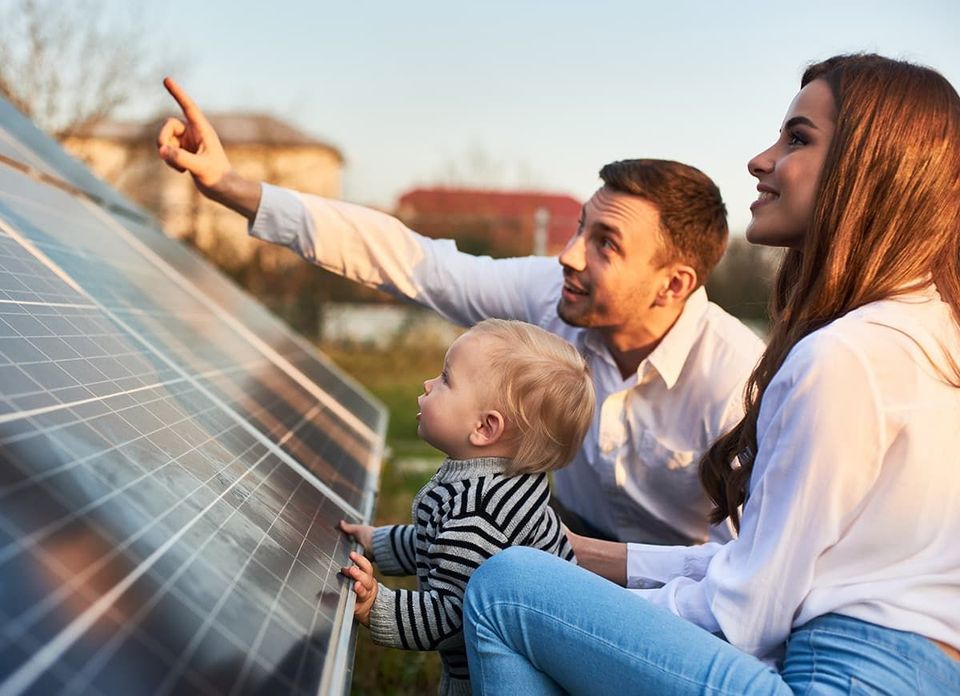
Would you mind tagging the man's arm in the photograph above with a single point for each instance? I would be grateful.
(377, 250)
(194, 146)
(361, 244)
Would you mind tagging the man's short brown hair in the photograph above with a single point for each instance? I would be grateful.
(693, 218)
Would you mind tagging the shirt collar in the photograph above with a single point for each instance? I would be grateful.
(594, 343)
(670, 355)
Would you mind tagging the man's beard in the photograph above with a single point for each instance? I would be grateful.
(580, 317)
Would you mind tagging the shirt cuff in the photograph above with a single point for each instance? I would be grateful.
(280, 216)
(645, 567)
(650, 566)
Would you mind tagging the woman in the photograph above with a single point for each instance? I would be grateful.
(845, 577)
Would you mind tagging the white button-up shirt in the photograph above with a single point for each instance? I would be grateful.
(854, 504)
(636, 474)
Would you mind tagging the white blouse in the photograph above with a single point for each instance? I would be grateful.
(854, 503)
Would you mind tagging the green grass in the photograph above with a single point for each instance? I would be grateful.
(396, 377)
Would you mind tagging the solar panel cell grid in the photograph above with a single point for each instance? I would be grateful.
(220, 291)
(241, 543)
(170, 477)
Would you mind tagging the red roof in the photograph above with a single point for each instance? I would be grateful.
(516, 207)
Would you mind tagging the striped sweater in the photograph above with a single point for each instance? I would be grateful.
(465, 514)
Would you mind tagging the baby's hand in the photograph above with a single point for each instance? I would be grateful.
(361, 533)
(365, 586)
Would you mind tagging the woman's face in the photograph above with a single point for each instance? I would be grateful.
(788, 171)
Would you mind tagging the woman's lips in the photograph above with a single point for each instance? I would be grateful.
(766, 196)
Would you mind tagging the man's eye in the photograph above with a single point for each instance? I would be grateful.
(607, 243)
(443, 376)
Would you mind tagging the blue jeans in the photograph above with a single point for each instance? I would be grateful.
(535, 624)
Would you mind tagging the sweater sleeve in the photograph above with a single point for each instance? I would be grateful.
(394, 549)
(425, 619)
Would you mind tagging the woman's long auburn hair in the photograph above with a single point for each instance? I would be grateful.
(886, 221)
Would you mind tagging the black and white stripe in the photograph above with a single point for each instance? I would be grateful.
(465, 514)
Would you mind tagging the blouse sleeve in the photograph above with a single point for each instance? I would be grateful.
(649, 565)
(820, 444)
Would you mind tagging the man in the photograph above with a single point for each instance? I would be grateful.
(668, 366)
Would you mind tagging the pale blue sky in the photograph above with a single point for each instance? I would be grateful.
(533, 94)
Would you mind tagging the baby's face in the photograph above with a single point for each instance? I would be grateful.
(453, 401)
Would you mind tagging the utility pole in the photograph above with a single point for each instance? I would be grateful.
(541, 222)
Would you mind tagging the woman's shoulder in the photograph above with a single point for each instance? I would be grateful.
(909, 327)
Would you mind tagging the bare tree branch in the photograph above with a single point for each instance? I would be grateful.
(68, 65)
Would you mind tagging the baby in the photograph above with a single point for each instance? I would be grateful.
(512, 403)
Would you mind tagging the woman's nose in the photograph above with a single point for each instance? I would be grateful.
(761, 163)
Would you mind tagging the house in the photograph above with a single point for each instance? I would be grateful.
(497, 223)
(260, 147)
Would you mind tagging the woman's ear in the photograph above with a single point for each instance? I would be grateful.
(489, 429)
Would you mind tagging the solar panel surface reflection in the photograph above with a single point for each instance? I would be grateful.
(170, 473)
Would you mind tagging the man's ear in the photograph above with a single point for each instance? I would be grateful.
(677, 286)
(489, 430)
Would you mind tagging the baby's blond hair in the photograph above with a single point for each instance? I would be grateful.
(543, 387)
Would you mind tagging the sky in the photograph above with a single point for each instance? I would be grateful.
(531, 94)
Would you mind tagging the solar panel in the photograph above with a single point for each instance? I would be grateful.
(25, 146)
(173, 461)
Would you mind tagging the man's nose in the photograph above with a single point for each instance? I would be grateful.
(574, 254)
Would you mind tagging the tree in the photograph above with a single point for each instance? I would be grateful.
(742, 281)
(67, 65)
